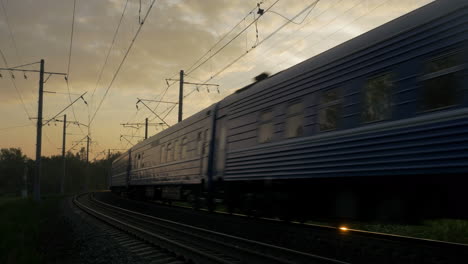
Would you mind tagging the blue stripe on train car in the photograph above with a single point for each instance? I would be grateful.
(429, 148)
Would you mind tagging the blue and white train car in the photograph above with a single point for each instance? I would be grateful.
(376, 125)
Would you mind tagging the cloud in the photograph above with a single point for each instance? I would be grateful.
(175, 35)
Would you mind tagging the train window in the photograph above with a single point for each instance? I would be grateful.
(176, 150)
(295, 120)
(183, 151)
(169, 152)
(440, 82)
(329, 111)
(205, 140)
(163, 154)
(265, 130)
(199, 143)
(377, 102)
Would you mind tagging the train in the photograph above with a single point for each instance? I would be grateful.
(374, 128)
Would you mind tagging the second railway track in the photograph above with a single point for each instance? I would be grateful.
(191, 243)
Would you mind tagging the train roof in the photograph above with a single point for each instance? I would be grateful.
(382, 33)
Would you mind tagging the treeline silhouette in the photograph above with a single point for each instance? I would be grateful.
(80, 176)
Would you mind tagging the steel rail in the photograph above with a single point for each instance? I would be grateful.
(155, 239)
(249, 249)
(348, 231)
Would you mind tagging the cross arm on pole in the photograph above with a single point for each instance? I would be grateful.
(140, 101)
(81, 97)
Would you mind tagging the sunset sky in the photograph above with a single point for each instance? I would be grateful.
(174, 36)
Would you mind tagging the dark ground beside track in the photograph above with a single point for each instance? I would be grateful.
(54, 231)
(35, 233)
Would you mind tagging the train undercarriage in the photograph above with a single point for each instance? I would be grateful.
(363, 198)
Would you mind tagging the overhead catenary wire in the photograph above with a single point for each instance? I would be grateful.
(221, 39)
(16, 88)
(24, 65)
(107, 56)
(68, 80)
(338, 30)
(9, 29)
(49, 140)
(192, 68)
(122, 62)
(302, 26)
(310, 6)
(17, 56)
(330, 7)
(231, 40)
(291, 20)
(141, 23)
(79, 142)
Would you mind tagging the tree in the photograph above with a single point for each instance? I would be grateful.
(12, 167)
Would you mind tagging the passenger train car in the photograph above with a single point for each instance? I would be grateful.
(375, 127)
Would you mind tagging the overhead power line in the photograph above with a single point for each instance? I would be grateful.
(221, 39)
(310, 6)
(235, 37)
(9, 29)
(107, 56)
(71, 38)
(122, 62)
(67, 79)
(336, 31)
(17, 56)
(288, 36)
(14, 85)
(194, 66)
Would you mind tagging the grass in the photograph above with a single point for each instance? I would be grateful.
(452, 230)
(22, 222)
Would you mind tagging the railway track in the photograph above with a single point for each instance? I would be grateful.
(192, 244)
(354, 246)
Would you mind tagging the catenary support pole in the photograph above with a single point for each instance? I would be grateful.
(88, 180)
(37, 174)
(109, 175)
(146, 128)
(62, 181)
(87, 149)
(181, 94)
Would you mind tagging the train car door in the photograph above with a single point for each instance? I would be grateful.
(205, 148)
(220, 148)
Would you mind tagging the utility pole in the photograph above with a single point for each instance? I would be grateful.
(87, 163)
(181, 94)
(109, 175)
(62, 182)
(87, 149)
(37, 175)
(181, 90)
(38, 165)
(146, 128)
